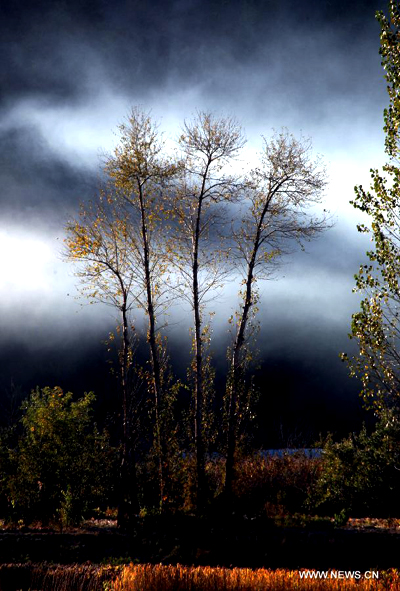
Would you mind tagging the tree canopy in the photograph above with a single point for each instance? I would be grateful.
(376, 326)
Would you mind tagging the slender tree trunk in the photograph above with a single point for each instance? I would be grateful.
(198, 394)
(154, 357)
(198, 421)
(235, 370)
(234, 379)
(128, 502)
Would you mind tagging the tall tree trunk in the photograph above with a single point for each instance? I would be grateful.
(234, 380)
(154, 357)
(198, 393)
(198, 397)
(235, 369)
(128, 501)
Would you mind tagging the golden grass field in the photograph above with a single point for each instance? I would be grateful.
(182, 578)
(177, 578)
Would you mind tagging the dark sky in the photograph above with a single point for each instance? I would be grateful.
(70, 71)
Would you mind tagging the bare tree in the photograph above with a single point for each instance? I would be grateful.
(128, 248)
(101, 243)
(208, 144)
(277, 202)
(140, 173)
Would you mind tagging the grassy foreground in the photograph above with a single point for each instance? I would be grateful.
(179, 578)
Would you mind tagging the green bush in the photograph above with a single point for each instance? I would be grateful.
(61, 467)
(361, 474)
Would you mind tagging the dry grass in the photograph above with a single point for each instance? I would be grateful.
(57, 577)
(373, 523)
(274, 485)
(181, 578)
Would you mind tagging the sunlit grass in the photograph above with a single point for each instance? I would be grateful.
(180, 578)
(148, 577)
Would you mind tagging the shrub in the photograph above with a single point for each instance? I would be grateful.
(361, 474)
(61, 467)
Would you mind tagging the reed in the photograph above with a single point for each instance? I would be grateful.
(182, 578)
(88, 577)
